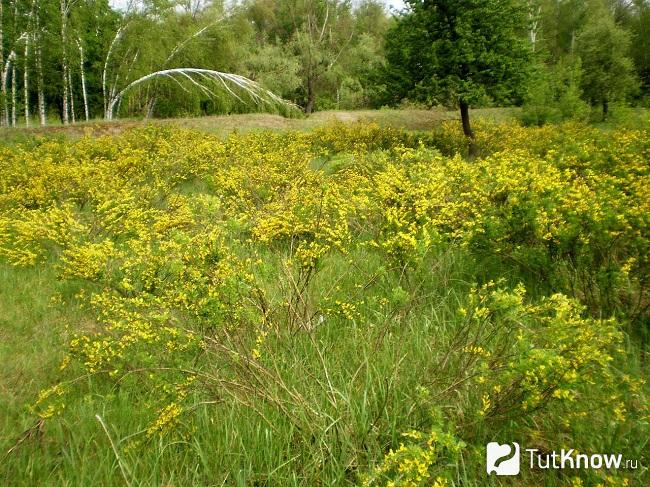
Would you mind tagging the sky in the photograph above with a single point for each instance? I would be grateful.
(396, 4)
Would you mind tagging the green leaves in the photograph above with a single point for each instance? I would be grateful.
(450, 51)
(608, 72)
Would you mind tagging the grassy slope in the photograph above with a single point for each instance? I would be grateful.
(223, 125)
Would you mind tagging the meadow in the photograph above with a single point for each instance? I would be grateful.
(352, 304)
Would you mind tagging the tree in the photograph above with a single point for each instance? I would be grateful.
(359, 64)
(608, 72)
(273, 68)
(78, 57)
(324, 32)
(460, 52)
(335, 44)
(559, 23)
(65, 8)
(640, 50)
(554, 93)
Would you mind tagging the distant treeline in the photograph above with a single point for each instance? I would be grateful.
(71, 60)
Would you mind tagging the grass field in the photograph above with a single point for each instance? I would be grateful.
(315, 302)
(224, 125)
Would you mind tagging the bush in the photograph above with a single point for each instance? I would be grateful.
(342, 306)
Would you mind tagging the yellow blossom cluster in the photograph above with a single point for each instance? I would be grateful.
(423, 461)
(173, 236)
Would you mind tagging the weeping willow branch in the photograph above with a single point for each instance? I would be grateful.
(206, 81)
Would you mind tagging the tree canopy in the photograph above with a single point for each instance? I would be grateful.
(608, 71)
(69, 59)
(444, 51)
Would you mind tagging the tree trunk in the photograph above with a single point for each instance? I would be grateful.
(311, 96)
(41, 85)
(3, 95)
(14, 6)
(467, 128)
(64, 60)
(151, 105)
(533, 21)
(605, 108)
(108, 112)
(13, 94)
(71, 96)
(4, 74)
(83, 79)
(26, 81)
(3, 108)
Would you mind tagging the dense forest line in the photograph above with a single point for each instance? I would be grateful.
(72, 60)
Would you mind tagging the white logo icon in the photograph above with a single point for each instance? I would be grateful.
(502, 459)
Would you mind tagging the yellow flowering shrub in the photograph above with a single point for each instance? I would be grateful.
(522, 356)
(358, 138)
(422, 459)
(173, 243)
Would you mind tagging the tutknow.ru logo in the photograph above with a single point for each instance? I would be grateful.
(502, 459)
(505, 459)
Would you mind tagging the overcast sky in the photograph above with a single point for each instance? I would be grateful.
(397, 4)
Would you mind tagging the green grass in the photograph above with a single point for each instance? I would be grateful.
(360, 380)
(332, 399)
(371, 391)
(30, 341)
(223, 125)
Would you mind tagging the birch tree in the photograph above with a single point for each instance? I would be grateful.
(14, 93)
(4, 75)
(82, 71)
(116, 38)
(65, 8)
(3, 94)
(319, 40)
(27, 39)
(38, 45)
(26, 79)
(534, 17)
(207, 81)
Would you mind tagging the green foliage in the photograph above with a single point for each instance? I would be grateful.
(332, 45)
(342, 306)
(554, 95)
(320, 54)
(640, 47)
(300, 49)
(270, 65)
(452, 51)
(608, 72)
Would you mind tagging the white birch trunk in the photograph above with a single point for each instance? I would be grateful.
(13, 94)
(39, 75)
(3, 81)
(105, 93)
(534, 13)
(72, 115)
(83, 79)
(204, 77)
(64, 58)
(3, 94)
(26, 81)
